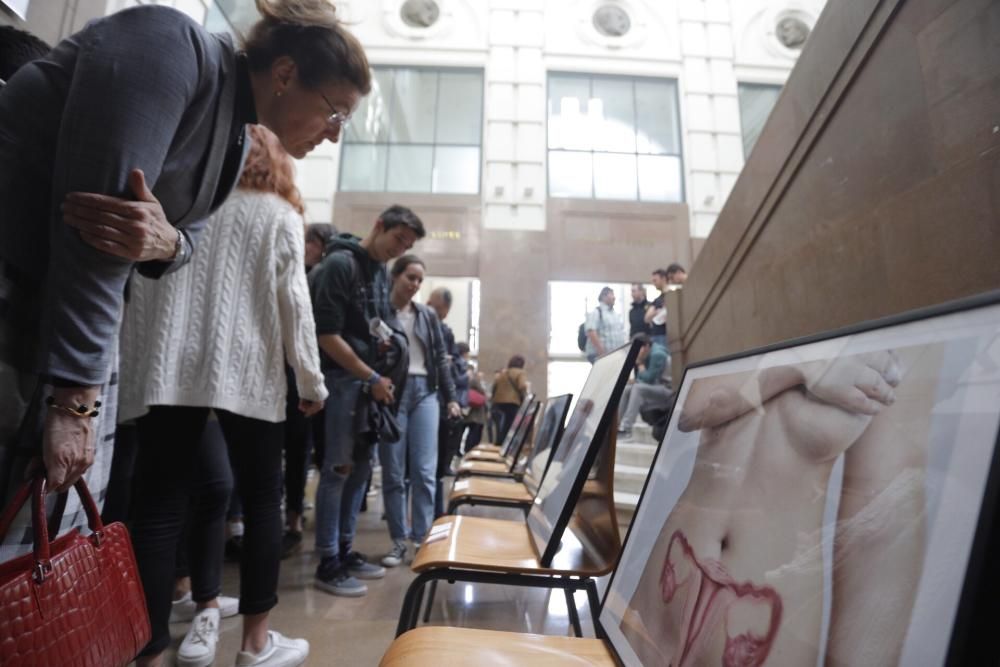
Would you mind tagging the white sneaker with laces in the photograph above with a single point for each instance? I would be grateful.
(280, 651)
(198, 647)
(183, 610)
(396, 555)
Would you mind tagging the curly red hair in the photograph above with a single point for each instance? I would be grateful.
(269, 168)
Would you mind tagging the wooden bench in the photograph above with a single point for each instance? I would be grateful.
(571, 532)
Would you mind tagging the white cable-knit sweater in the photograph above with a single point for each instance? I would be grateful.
(216, 333)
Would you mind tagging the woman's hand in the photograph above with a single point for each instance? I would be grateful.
(135, 230)
(67, 441)
(309, 408)
(454, 410)
(862, 383)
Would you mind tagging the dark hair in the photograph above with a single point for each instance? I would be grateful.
(18, 48)
(674, 268)
(517, 361)
(462, 347)
(320, 232)
(403, 263)
(641, 286)
(605, 291)
(660, 272)
(397, 215)
(309, 32)
(445, 295)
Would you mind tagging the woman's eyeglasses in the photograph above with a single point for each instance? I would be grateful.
(336, 118)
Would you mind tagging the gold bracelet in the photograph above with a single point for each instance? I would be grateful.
(82, 411)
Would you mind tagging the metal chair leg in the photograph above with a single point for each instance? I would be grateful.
(595, 608)
(574, 617)
(430, 600)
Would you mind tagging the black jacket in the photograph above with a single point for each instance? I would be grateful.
(636, 318)
(348, 289)
(427, 329)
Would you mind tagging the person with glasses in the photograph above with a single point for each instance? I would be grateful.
(136, 134)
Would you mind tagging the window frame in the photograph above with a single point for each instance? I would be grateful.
(434, 144)
(590, 77)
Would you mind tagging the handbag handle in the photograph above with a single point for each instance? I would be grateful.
(35, 489)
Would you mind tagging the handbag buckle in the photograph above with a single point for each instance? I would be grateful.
(97, 537)
(42, 569)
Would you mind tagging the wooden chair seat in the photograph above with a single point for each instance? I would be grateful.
(489, 489)
(435, 646)
(485, 456)
(495, 468)
(497, 545)
(493, 449)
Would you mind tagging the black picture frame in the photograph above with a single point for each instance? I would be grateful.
(973, 626)
(615, 366)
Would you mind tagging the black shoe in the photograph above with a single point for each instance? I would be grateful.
(291, 543)
(234, 548)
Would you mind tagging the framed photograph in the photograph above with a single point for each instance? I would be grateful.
(577, 449)
(17, 7)
(822, 502)
(534, 464)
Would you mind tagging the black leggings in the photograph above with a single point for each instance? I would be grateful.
(301, 434)
(174, 467)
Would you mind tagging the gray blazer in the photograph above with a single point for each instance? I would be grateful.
(143, 88)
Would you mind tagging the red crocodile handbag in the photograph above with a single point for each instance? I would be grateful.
(75, 601)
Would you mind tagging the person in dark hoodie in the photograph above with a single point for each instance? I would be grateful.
(350, 295)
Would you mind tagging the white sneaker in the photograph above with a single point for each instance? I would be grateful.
(198, 647)
(183, 610)
(280, 651)
(396, 555)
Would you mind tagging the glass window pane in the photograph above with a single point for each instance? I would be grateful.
(409, 168)
(456, 170)
(460, 108)
(658, 130)
(370, 122)
(411, 116)
(570, 174)
(363, 168)
(568, 97)
(756, 103)
(614, 176)
(612, 115)
(660, 178)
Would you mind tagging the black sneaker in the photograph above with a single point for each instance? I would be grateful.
(358, 565)
(291, 543)
(333, 578)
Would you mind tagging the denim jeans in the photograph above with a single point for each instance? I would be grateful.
(419, 414)
(341, 480)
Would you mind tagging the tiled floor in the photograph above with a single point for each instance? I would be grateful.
(356, 632)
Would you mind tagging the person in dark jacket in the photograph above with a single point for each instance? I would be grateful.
(350, 294)
(419, 414)
(450, 431)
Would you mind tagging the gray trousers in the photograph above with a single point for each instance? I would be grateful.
(637, 396)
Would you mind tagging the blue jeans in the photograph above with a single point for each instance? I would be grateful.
(342, 480)
(419, 413)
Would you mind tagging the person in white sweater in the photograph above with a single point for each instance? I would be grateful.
(216, 336)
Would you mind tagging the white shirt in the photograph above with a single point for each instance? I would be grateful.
(418, 359)
(217, 332)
